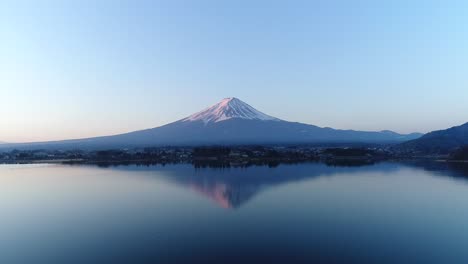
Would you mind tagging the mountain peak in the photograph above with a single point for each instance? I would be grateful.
(229, 108)
(230, 99)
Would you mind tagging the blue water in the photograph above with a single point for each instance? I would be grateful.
(306, 213)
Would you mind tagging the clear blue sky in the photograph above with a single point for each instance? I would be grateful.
(71, 69)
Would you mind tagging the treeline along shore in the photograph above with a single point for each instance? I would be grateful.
(223, 155)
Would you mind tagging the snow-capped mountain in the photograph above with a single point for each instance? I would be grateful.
(229, 108)
(230, 121)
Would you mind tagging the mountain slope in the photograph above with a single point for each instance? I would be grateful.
(230, 121)
(439, 142)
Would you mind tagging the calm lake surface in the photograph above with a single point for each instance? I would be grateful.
(383, 213)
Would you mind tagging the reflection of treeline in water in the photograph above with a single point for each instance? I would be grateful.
(460, 154)
(452, 169)
(350, 162)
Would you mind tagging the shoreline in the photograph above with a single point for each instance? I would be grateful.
(333, 161)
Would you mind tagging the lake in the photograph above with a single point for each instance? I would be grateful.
(384, 213)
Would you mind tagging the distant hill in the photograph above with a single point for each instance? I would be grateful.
(439, 142)
(230, 121)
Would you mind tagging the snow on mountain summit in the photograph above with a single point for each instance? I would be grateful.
(229, 108)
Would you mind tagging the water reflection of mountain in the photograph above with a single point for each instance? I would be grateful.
(227, 196)
(233, 187)
(452, 169)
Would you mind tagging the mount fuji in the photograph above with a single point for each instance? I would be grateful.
(231, 121)
(229, 108)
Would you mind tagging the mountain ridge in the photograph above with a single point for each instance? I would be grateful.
(439, 141)
(230, 121)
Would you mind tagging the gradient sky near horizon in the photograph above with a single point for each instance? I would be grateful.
(73, 69)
